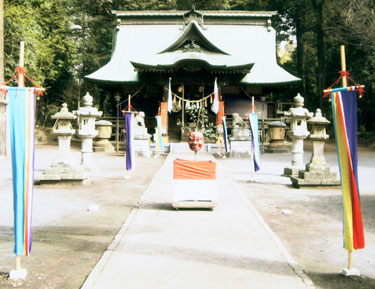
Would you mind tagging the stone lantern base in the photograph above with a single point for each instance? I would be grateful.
(61, 171)
(315, 176)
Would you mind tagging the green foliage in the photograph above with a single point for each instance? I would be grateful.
(68, 39)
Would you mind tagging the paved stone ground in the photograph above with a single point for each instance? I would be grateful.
(69, 240)
(312, 232)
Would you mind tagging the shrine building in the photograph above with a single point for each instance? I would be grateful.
(189, 50)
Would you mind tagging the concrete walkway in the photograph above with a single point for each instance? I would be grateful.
(228, 247)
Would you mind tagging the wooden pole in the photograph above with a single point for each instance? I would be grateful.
(343, 66)
(129, 103)
(18, 263)
(21, 77)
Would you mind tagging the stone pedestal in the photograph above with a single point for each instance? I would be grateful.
(141, 142)
(240, 140)
(102, 142)
(240, 148)
(315, 176)
(317, 172)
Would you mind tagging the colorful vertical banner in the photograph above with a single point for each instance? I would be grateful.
(225, 131)
(253, 121)
(169, 97)
(215, 105)
(22, 131)
(159, 142)
(129, 139)
(344, 109)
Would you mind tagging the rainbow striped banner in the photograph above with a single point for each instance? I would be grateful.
(159, 135)
(225, 131)
(344, 108)
(253, 122)
(22, 131)
(129, 118)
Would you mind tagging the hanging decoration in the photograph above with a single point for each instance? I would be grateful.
(344, 111)
(169, 96)
(159, 135)
(253, 122)
(215, 105)
(22, 107)
(225, 132)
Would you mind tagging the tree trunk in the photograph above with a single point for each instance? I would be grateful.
(318, 9)
(1, 41)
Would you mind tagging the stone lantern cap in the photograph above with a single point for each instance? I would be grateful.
(87, 110)
(103, 123)
(298, 111)
(277, 124)
(318, 119)
(64, 113)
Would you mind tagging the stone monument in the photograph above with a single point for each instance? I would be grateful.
(63, 168)
(240, 141)
(86, 117)
(141, 137)
(298, 132)
(317, 172)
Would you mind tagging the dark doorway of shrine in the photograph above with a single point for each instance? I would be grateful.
(186, 96)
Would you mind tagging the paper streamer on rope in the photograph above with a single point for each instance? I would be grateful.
(215, 105)
(169, 97)
(225, 131)
(22, 131)
(159, 134)
(344, 109)
(253, 121)
(129, 139)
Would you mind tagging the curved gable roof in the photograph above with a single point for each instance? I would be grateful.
(229, 40)
(193, 32)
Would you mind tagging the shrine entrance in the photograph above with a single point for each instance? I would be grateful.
(188, 102)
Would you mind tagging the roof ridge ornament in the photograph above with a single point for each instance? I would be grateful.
(191, 47)
(193, 16)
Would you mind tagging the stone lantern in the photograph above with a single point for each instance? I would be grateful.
(63, 168)
(318, 136)
(317, 171)
(63, 128)
(86, 118)
(298, 132)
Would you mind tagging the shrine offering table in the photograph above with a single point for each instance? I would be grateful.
(194, 184)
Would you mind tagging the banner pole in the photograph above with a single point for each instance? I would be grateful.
(21, 77)
(343, 66)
